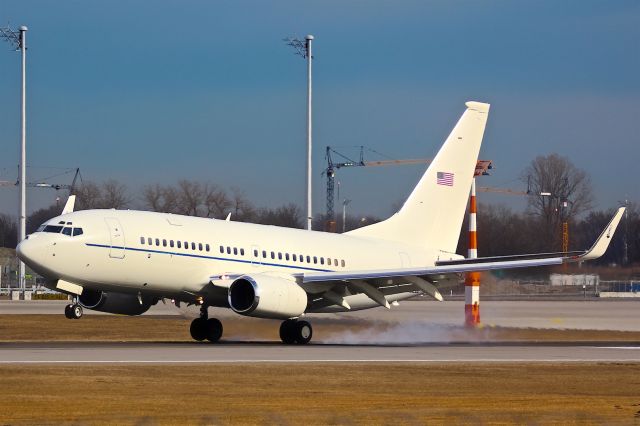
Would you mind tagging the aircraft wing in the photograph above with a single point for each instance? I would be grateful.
(378, 283)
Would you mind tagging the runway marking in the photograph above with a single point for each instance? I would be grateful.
(618, 347)
(307, 361)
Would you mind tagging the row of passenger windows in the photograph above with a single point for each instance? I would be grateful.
(300, 258)
(170, 243)
(234, 250)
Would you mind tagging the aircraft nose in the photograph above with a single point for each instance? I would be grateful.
(24, 250)
(32, 251)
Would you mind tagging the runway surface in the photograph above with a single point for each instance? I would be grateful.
(421, 323)
(182, 353)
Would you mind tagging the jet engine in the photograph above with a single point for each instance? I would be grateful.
(267, 296)
(115, 303)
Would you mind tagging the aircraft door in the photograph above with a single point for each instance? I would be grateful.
(116, 234)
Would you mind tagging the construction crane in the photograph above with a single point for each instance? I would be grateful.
(332, 167)
(56, 186)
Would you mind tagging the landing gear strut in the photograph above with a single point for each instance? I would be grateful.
(206, 328)
(73, 310)
(294, 331)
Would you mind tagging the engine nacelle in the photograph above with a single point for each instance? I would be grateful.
(114, 303)
(266, 296)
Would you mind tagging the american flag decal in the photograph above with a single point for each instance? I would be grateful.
(444, 178)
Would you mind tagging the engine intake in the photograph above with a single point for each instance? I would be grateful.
(114, 303)
(266, 296)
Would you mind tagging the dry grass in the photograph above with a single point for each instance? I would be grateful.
(323, 394)
(108, 328)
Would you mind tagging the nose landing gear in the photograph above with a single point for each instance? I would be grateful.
(294, 331)
(206, 328)
(73, 310)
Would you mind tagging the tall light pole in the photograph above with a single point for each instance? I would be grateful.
(19, 40)
(303, 48)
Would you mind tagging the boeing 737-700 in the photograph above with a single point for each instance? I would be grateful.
(123, 262)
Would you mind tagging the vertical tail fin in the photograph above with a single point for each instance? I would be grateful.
(432, 215)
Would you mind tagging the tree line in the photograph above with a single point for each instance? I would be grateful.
(558, 192)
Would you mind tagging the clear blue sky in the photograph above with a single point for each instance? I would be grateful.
(149, 92)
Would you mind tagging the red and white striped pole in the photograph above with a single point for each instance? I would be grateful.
(472, 279)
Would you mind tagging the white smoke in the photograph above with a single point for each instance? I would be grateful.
(405, 333)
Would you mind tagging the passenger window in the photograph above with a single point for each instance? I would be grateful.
(221, 249)
(67, 231)
(255, 253)
(164, 243)
(193, 246)
(335, 262)
(157, 241)
(264, 253)
(308, 259)
(228, 250)
(186, 245)
(179, 243)
(235, 251)
(280, 256)
(273, 255)
(294, 257)
(141, 240)
(207, 247)
(301, 258)
(315, 259)
(241, 252)
(170, 243)
(342, 263)
(150, 241)
(77, 231)
(286, 256)
(200, 246)
(322, 260)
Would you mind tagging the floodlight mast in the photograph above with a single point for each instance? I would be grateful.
(19, 40)
(303, 48)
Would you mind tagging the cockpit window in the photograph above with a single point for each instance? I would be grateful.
(55, 229)
(52, 228)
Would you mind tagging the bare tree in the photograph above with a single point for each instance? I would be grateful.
(216, 203)
(289, 215)
(569, 189)
(8, 231)
(114, 195)
(190, 197)
(159, 198)
(88, 196)
(242, 209)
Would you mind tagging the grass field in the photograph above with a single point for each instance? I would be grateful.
(323, 394)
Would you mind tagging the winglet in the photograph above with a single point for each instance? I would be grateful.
(602, 243)
(68, 207)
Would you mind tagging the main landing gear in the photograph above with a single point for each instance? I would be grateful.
(206, 328)
(294, 331)
(73, 310)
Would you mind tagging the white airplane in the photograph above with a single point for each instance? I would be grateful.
(123, 262)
